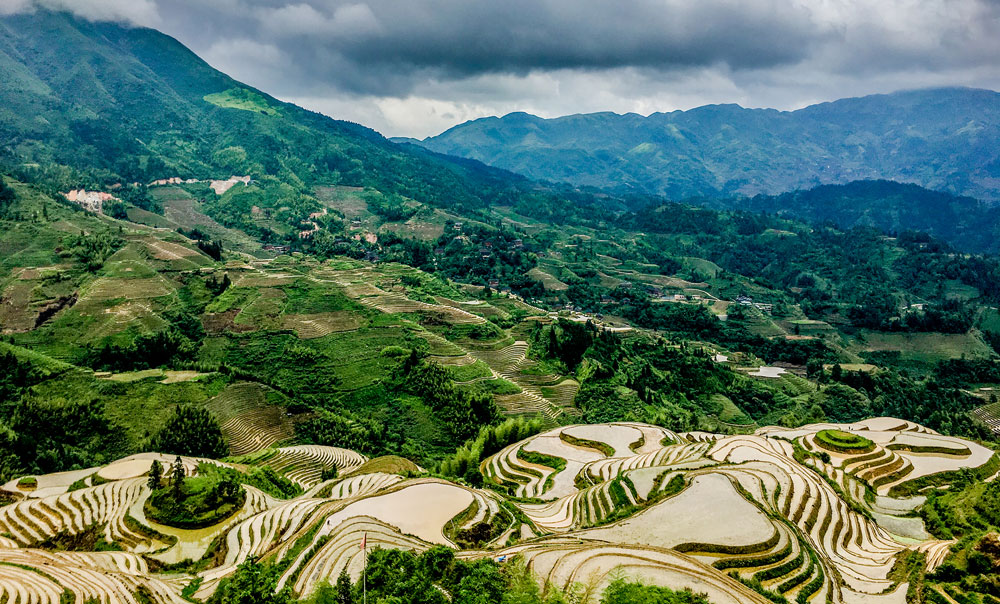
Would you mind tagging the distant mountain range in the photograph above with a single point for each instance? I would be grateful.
(944, 139)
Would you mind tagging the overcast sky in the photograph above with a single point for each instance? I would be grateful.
(417, 67)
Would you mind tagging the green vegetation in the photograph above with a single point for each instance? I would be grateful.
(969, 511)
(491, 439)
(194, 502)
(621, 591)
(240, 98)
(843, 442)
(253, 582)
(190, 431)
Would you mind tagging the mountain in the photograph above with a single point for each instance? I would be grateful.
(968, 224)
(943, 139)
(100, 103)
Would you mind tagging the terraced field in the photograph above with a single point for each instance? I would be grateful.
(249, 423)
(593, 502)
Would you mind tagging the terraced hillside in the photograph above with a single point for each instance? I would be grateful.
(142, 316)
(774, 509)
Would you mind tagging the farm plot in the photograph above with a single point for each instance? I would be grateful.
(412, 517)
(698, 515)
(37, 576)
(109, 288)
(249, 422)
(594, 564)
(317, 325)
(181, 257)
(49, 484)
(36, 520)
(16, 313)
(304, 464)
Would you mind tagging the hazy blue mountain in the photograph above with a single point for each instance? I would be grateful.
(944, 139)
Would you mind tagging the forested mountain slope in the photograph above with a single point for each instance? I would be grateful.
(943, 139)
(891, 207)
(99, 103)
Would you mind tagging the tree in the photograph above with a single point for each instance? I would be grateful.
(191, 431)
(344, 595)
(155, 474)
(253, 583)
(482, 584)
(624, 592)
(115, 209)
(7, 197)
(178, 476)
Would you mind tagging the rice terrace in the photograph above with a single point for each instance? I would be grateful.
(579, 504)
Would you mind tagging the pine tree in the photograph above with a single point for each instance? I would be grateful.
(155, 474)
(344, 595)
(178, 476)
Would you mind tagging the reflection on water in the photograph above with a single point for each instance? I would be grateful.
(191, 543)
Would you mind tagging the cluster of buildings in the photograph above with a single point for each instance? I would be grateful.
(176, 180)
(745, 300)
(92, 201)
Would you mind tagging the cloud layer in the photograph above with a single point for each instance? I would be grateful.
(415, 67)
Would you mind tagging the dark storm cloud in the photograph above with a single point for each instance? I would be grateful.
(385, 46)
(458, 38)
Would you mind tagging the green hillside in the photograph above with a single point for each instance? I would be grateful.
(92, 104)
(891, 207)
